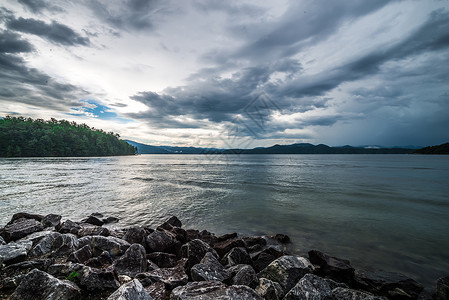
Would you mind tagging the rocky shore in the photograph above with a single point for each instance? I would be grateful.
(42, 257)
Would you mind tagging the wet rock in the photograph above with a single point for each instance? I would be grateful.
(51, 220)
(227, 236)
(81, 255)
(236, 256)
(269, 290)
(340, 293)
(14, 252)
(132, 290)
(158, 291)
(40, 285)
(114, 246)
(265, 257)
(207, 237)
(55, 244)
(135, 235)
(192, 234)
(194, 251)
(243, 275)
(211, 290)
(98, 279)
(254, 242)
(171, 277)
(102, 261)
(310, 287)
(388, 284)
(21, 228)
(286, 270)
(225, 246)
(174, 221)
(109, 220)
(68, 227)
(133, 262)
(160, 241)
(94, 220)
(209, 269)
(442, 291)
(89, 229)
(333, 267)
(163, 260)
(282, 238)
(23, 215)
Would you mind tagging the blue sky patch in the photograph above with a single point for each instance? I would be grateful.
(93, 109)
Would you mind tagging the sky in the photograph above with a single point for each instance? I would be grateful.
(232, 73)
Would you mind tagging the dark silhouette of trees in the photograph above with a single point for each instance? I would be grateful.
(25, 137)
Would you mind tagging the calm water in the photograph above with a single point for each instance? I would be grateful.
(389, 212)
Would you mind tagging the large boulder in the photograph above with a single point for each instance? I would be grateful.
(194, 251)
(243, 275)
(94, 220)
(287, 270)
(114, 246)
(158, 291)
(332, 267)
(310, 287)
(93, 279)
(261, 259)
(40, 285)
(23, 215)
(14, 252)
(2, 241)
(55, 244)
(89, 229)
(269, 290)
(135, 235)
(171, 277)
(174, 221)
(236, 256)
(132, 290)
(442, 291)
(388, 284)
(160, 241)
(212, 290)
(340, 293)
(68, 227)
(81, 255)
(21, 228)
(209, 269)
(133, 262)
(224, 246)
(51, 220)
(162, 259)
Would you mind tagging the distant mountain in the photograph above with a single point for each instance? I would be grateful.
(299, 148)
(439, 149)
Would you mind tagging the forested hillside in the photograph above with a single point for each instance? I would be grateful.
(25, 137)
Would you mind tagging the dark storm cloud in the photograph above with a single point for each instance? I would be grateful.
(38, 6)
(54, 32)
(11, 42)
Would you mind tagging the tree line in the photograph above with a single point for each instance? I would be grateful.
(25, 137)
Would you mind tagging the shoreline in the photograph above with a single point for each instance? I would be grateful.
(86, 260)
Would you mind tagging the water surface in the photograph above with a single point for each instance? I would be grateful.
(388, 212)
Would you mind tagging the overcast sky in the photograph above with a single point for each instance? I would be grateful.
(232, 73)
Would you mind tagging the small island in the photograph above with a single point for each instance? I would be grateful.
(439, 149)
(25, 137)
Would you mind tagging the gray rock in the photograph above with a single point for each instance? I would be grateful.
(81, 255)
(237, 256)
(65, 269)
(334, 284)
(269, 290)
(101, 261)
(225, 246)
(209, 269)
(332, 267)
(14, 252)
(2, 241)
(55, 244)
(21, 228)
(442, 291)
(171, 277)
(69, 227)
(26, 266)
(23, 215)
(132, 290)
(12, 282)
(340, 293)
(194, 251)
(40, 285)
(310, 287)
(160, 241)
(98, 279)
(212, 290)
(114, 246)
(174, 221)
(135, 235)
(286, 270)
(37, 236)
(163, 260)
(110, 220)
(158, 291)
(94, 220)
(243, 275)
(51, 220)
(133, 262)
(89, 229)
(261, 259)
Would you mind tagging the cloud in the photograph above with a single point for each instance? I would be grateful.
(11, 42)
(38, 6)
(54, 32)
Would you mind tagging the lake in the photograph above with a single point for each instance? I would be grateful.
(387, 212)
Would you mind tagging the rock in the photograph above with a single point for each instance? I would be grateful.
(133, 262)
(282, 238)
(243, 275)
(237, 256)
(55, 244)
(209, 269)
(11, 282)
(132, 290)
(40, 285)
(122, 279)
(51, 220)
(340, 293)
(89, 229)
(102, 261)
(135, 235)
(81, 255)
(225, 246)
(286, 270)
(14, 252)
(163, 260)
(310, 287)
(23, 215)
(21, 228)
(194, 251)
(158, 291)
(26, 266)
(2, 241)
(37, 236)
(334, 284)
(269, 290)
(65, 269)
(160, 241)
(253, 241)
(152, 266)
(174, 221)
(442, 291)
(333, 267)
(114, 246)
(68, 227)
(109, 220)
(207, 237)
(171, 277)
(212, 290)
(265, 257)
(93, 220)
(98, 279)
(225, 237)
(387, 284)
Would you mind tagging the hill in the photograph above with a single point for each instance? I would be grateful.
(21, 137)
(439, 149)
